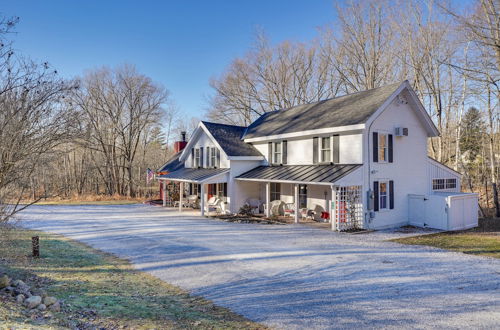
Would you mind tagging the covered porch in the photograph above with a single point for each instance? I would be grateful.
(322, 193)
(203, 189)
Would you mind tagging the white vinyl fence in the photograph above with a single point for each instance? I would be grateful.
(445, 211)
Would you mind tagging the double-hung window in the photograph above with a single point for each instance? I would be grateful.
(326, 150)
(302, 196)
(213, 157)
(277, 152)
(275, 191)
(382, 148)
(197, 160)
(383, 195)
(442, 184)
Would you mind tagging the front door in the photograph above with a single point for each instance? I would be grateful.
(416, 210)
(211, 190)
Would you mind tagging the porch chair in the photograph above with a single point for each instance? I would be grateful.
(254, 205)
(192, 201)
(289, 209)
(277, 207)
(215, 205)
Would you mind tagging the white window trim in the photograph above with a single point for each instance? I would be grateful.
(388, 196)
(274, 152)
(386, 153)
(196, 161)
(212, 157)
(445, 184)
(330, 139)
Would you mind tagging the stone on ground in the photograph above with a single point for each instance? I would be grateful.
(42, 307)
(4, 281)
(20, 298)
(49, 301)
(56, 307)
(33, 301)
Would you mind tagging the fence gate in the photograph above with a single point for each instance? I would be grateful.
(347, 208)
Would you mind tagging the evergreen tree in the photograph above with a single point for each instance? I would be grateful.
(473, 130)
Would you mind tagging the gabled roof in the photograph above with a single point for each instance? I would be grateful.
(351, 109)
(229, 138)
(173, 164)
(318, 174)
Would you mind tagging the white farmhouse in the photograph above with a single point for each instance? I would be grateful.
(356, 161)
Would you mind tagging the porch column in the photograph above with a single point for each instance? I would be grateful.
(181, 193)
(296, 203)
(333, 209)
(202, 200)
(164, 195)
(268, 200)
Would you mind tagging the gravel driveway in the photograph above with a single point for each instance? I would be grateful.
(291, 276)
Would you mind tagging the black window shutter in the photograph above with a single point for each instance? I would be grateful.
(190, 188)
(375, 147)
(201, 157)
(218, 158)
(225, 189)
(336, 151)
(192, 157)
(315, 150)
(390, 148)
(375, 195)
(270, 153)
(199, 190)
(284, 156)
(208, 158)
(391, 194)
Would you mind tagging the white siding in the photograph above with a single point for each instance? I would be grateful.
(238, 193)
(409, 168)
(440, 171)
(300, 151)
(203, 140)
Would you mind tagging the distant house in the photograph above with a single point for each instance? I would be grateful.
(357, 161)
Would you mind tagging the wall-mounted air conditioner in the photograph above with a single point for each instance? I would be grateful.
(401, 131)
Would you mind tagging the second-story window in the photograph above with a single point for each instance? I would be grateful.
(382, 147)
(325, 149)
(197, 160)
(213, 157)
(277, 152)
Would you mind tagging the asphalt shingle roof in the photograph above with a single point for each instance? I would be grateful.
(345, 110)
(173, 164)
(299, 173)
(229, 138)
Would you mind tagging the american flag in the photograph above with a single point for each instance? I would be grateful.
(149, 175)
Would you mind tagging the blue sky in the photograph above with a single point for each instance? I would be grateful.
(180, 44)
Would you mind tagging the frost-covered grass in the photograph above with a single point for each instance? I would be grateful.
(99, 290)
(483, 244)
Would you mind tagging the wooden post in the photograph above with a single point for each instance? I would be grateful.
(35, 242)
(268, 199)
(181, 193)
(333, 213)
(164, 196)
(202, 200)
(296, 203)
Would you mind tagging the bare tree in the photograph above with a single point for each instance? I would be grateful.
(117, 108)
(33, 119)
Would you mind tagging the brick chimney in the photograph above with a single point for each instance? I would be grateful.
(179, 145)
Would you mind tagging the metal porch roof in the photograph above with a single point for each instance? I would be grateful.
(320, 174)
(197, 175)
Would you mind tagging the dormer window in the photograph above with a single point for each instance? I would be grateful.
(326, 149)
(277, 152)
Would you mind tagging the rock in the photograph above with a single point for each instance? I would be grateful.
(39, 292)
(9, 290)
(49, 301)
(56, 307)
(33, 301)
(4, 281)
(17, 283)
(20, 298)
(42, 307)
